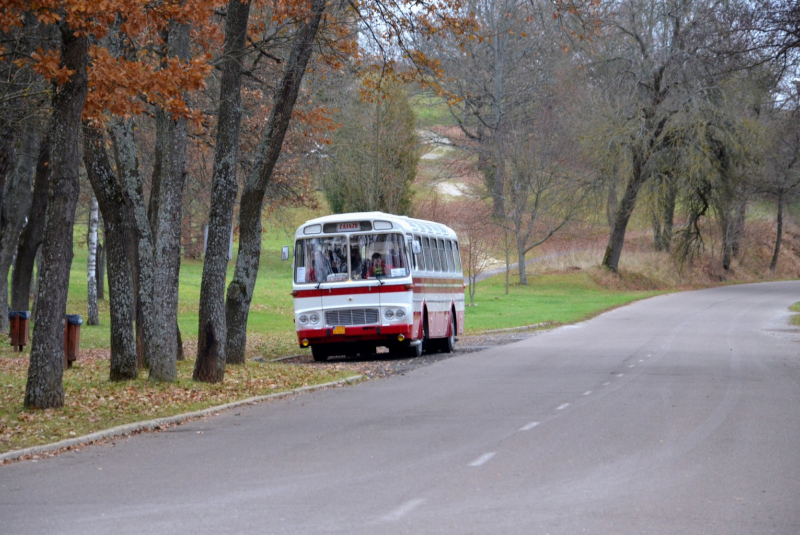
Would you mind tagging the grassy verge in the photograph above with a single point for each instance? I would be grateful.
(796, 317)
(560, 298)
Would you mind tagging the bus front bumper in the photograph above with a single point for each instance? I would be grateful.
(356, 333)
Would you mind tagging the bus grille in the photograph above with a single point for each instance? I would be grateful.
(357, 316)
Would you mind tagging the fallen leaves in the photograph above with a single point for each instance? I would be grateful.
(94, 403)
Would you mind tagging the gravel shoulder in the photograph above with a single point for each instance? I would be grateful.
(382, 364)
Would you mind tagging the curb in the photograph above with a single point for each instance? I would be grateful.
(128, 429)
(523, 328)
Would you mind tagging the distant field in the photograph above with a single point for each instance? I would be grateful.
(431, 110)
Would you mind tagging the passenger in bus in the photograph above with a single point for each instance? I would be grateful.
(378, 267)
(338, 261)
(356, 264)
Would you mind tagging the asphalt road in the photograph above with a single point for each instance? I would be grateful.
(675, 415)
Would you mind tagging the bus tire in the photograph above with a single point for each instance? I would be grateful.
(320, 353)
(426, 345)
(447, 345)
(414, 351)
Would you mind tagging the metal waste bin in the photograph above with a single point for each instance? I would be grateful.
(72, 338)
(19, 327)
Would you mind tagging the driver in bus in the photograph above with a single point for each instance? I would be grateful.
(311, 273)
(377, 267)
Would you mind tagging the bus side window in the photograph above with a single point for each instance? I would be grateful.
(457, 257)
(420, 257)
(299, 259)
(437, 259)
(426, 248)
(449, 249)
(443, 254)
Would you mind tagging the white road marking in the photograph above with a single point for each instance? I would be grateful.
(562, 406)
(641, 361)
(403, 510)
(587, 392)
(483, 459)
(606, 383)
(529, 426)
(620, 374)
(631, 365)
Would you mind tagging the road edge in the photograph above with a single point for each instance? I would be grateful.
(149, 425)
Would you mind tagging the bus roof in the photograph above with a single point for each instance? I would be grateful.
(405, 223)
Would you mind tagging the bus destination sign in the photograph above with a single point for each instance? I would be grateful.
(348, 226)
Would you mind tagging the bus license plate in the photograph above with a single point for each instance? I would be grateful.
(338, 330)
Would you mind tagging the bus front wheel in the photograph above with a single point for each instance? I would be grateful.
(320, 353)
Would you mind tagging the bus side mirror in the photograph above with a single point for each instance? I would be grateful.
(416, 248)
(285, 252)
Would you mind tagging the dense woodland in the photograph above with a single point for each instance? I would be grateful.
(185, 115)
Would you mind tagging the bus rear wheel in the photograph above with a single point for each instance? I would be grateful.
(320, 353)
(447, 345)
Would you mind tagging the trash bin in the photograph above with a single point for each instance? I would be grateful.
(72, 338)
(19, 327)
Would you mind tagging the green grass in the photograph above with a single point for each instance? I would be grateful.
(547, 298)
(431, 110)
(270, 312)
(795, 317)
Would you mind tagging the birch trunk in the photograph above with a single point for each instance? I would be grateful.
(212, 329)
(93, 317)
(240, 290)
(44, 388)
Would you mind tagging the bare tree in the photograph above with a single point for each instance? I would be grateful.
(545, 187)
(649, 63)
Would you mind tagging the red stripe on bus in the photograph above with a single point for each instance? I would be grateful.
(350, 290)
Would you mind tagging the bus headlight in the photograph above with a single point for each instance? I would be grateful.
(388, 314)
(400, 314)
(313, 318)
(303, 319)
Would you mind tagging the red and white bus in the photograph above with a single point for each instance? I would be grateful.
(369, 279)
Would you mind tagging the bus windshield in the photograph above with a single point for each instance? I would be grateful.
(371, 256)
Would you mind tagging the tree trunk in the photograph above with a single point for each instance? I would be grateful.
(626, 205)
(93, 316)
(44, 388)
(657, 232)
(212, 330)
(100, 271)
(522, 268)
(166, 216)
(773, 265)
(240, 290)
(31, 236)
(111, 199)
(669, 216)
(141, 253)
(738, 227)
(15, 209)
